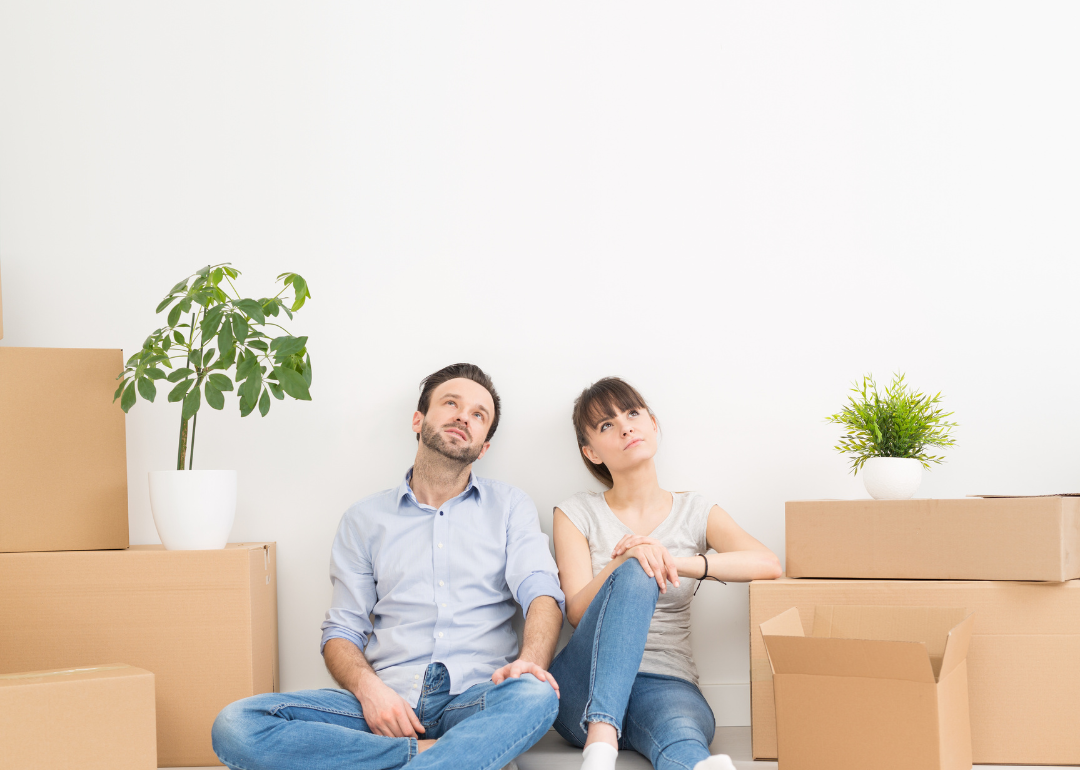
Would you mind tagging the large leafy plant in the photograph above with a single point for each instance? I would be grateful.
(902, 423)
(211, 333)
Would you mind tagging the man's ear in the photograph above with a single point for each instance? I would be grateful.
(591, 456)
(483, 451)
(417, 421)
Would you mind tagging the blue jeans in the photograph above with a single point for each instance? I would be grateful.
(664, 718)
(483, 728)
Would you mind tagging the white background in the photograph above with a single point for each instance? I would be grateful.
(739, 207)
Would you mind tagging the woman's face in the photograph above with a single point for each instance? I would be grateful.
(622, 441)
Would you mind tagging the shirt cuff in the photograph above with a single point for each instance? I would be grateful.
(340, 632)
(540, 584)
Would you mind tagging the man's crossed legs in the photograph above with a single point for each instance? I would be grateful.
(483, 728)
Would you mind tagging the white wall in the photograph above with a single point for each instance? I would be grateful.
(740, 207)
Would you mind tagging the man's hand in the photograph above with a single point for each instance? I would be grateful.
(519, 667)
(655, 559)
(386, 712)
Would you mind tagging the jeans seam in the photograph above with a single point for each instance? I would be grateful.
(274, 711)
(610, 583)
(653, 741)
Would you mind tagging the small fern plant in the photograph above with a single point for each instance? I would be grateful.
(902, 423)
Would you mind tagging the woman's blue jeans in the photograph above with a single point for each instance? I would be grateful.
(664, 718)
(483, 728)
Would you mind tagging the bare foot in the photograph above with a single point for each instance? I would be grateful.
(423, 744)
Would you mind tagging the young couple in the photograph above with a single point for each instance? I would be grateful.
(425, 576)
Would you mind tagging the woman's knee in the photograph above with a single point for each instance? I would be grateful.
(631, 575)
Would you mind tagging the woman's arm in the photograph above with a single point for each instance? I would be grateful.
(739, 558)
(575, 567)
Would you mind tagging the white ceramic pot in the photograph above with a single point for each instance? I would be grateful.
(193, 510)
(892, 478)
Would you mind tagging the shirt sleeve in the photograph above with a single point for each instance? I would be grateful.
(530, 570)
(354, 593)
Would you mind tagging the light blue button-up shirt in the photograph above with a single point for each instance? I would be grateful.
(415, 585)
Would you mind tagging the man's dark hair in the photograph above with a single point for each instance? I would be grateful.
(452, 372)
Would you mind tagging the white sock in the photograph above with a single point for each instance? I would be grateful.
(599, 756)
(716, 762)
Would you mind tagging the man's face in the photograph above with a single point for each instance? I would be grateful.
(457, 420)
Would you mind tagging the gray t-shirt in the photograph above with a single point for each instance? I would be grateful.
(667, 649)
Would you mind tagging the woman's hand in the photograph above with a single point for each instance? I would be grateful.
(654, 558)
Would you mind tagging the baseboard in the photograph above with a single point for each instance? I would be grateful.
(730, 703)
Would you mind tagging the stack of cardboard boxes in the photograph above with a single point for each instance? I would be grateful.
(1010, 565)
(110, 655)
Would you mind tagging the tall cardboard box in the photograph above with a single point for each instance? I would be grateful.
(880, 687)
(91, 718)
(1023, 662)
(1019, 538)
(203, 622)
(63, 461)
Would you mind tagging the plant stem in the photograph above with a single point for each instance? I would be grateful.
(182, 452)
(194, 422)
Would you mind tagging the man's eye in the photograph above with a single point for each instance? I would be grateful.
(478, 416)
(451, 403)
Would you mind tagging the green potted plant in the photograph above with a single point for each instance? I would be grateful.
(888, 436)
(213, 338)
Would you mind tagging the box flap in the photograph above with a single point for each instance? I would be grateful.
(787, 623)
(871, 659)
(956, 646)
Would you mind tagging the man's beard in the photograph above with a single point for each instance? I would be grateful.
(434, 439)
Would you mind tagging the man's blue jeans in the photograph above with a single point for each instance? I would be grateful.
(663, 717)
(483, 728)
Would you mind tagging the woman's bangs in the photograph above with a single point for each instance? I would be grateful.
(607, 399)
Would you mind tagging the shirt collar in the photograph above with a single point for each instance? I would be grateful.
(405, 490)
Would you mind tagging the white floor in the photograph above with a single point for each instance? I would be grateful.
(553, 753)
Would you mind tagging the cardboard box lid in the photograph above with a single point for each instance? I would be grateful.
(914, 644)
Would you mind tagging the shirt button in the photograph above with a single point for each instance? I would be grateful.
(440, 545)
(440, 513)
(444, 604)
(440, 582)
(416, 676)
(440, 634)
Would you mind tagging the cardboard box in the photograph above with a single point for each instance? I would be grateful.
(204, 622)
(63, 460)
(94, 718)
(1023, 662)
(880, 687)
(1032, 538)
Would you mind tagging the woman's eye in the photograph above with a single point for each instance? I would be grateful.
(633, 413)
(605, 426)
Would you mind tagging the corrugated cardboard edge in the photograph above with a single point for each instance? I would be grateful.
(1, 310)
(262, 563)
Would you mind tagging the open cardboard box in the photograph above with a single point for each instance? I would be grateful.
(871, 687)
(1017, 538)
(99, 717)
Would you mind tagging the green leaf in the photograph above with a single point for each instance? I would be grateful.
(185, 306)
(155, 374)
(147, 389)
(166, 344)
(119, 389)
(179, 374)
(128, 399)
(177, 393)
(307, 371)
(165, 303)
(174, 315)
(264, 403)
(215, 278)
(203, 271)
(292, 383)
(258, 345)
(276, 391)
(252, 308)
(207, 356)
(249, 389)
(270, 307)
(221, 382)
(179, 287)
(192, 402)
(286, 346)
(300, 288)
(231, 272)
(239, 327)
(211, 322)
(213, 396)
(248, 364)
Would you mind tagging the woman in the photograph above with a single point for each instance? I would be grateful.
(629, 561)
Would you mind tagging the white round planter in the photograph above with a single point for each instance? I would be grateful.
(892, 478)
(193, 510)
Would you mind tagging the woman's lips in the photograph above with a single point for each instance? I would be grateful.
(635, 442)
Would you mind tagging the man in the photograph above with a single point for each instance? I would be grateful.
(418, 634)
